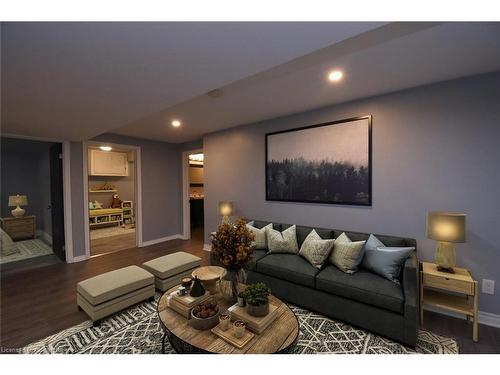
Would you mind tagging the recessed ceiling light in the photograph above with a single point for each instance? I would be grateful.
(335, 75)
(106, 148)
(176, 123)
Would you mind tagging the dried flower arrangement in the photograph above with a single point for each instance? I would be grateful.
(231, 245)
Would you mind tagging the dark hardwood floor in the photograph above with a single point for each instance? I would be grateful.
(38, 297)
(105, 245)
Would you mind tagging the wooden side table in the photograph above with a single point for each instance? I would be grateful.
(455, 292)
(19, 228)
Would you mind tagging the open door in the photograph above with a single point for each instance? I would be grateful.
(57, 200)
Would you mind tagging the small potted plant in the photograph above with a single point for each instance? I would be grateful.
(257, 299)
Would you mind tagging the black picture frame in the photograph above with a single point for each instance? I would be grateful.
(367, 202)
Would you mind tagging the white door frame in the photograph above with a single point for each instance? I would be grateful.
(68, 222)
(137, 192)
(186, 213)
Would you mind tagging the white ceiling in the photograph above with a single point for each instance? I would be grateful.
(77, 80)
(391, 58)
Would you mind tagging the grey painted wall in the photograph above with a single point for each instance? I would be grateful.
(77, 209)
(434, 148)
(25, 169)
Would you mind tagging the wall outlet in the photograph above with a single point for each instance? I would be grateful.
(488, 286)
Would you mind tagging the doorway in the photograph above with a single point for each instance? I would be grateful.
(112, 179)
(32, 208)
(193, 194)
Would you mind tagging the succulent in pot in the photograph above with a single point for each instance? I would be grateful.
(257, 299)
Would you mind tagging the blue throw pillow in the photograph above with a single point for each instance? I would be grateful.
(385, 261)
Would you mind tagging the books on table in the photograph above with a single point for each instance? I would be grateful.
(255, 324)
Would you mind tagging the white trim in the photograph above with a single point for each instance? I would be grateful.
(81, 258)
(162, 239)
(68, 228)
(137, 190)
(207, 247)
(186, 214)
(484, 317)
(68, 220)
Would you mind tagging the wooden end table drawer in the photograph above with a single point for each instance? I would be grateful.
(448, 284)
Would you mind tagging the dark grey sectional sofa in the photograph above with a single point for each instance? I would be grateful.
(363, 299)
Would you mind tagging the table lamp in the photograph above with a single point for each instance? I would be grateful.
(225, 210)
(17, 201)
(447, 228)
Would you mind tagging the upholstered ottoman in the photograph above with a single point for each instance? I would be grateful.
(106, 294)
(170, 269)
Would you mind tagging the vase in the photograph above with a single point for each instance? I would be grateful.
(236, 277)
(261, 310)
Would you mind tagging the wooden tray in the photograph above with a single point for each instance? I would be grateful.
(230, 338)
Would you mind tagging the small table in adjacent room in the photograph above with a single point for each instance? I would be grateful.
(456, 292)
(279, 337)
(19, 228)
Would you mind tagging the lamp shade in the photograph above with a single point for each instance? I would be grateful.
(446, 226)
(18, 200)
(226, 208)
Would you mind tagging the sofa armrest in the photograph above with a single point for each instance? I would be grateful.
(410, 281)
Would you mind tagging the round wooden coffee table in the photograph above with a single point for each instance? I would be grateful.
(210, 276)
(279, 337)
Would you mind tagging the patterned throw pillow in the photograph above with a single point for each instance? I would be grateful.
(282, 242)
(347, 255)
(260, 240)
(315, 249)
(385, 261)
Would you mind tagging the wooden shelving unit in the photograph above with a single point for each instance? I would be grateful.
(103, 191)
(128, 212)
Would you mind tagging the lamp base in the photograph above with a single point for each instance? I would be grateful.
(18, 212)
(445, 257)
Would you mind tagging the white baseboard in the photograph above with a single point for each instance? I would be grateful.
(81, 258)
(486, 318)
(162, 239)
(207, 247)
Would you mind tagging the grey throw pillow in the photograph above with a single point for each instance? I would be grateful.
(315, 249)
(347, 255)
(260, 240)
(385, 261)
(282, 242)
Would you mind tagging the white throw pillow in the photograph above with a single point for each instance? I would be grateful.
(282, 242)
(315, 249)
(347, 255)
(260, 240)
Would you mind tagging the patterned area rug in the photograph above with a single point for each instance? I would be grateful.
(138, 331)
(27, 249)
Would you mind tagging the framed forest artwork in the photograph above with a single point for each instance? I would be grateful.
(323, 163)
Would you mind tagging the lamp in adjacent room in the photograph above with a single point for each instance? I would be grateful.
(447, 228)
(18, 201)
(226, 209)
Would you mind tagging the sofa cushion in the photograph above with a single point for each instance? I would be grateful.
(303, 232)
(260, 235)
(114, 284)
(363, 286)
(282, 242)
(315, 249)
(346, 254)
(288, 267)
(172, 264)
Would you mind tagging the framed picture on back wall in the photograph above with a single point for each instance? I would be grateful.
(323, 163)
